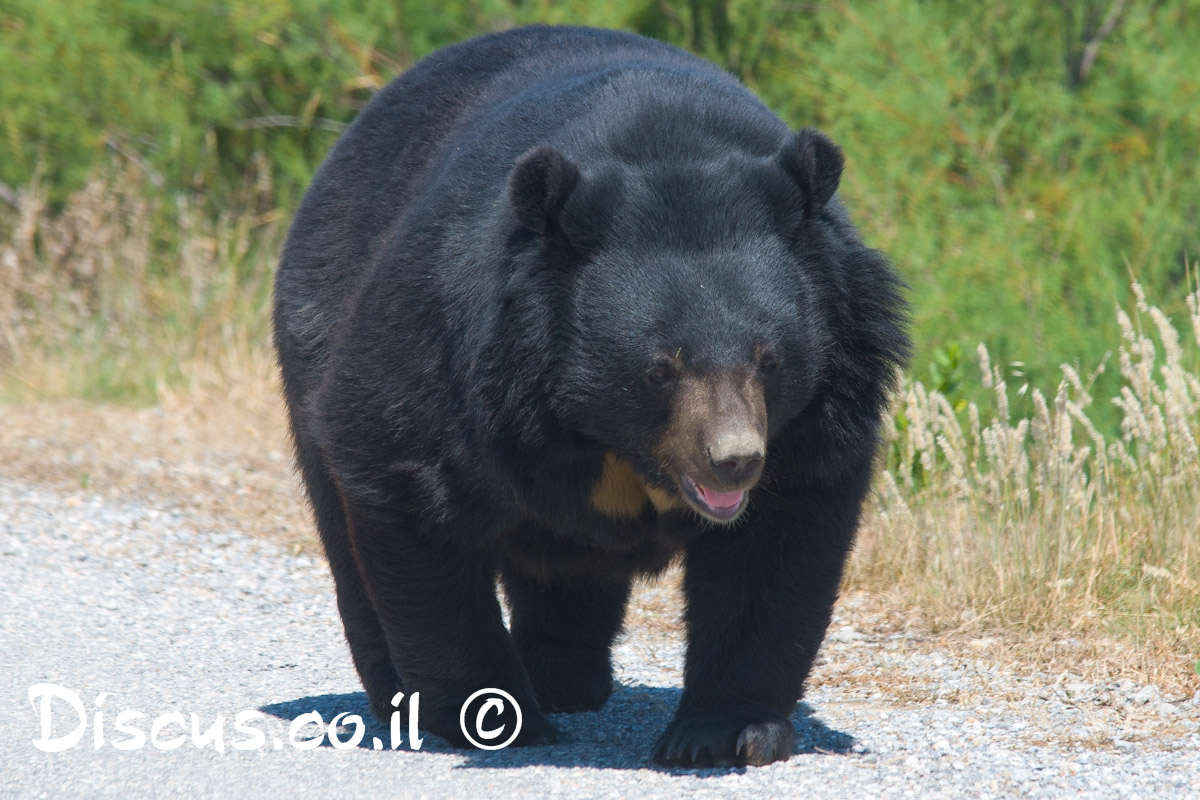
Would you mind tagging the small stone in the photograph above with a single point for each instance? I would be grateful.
(847, 634)
(1147, 694)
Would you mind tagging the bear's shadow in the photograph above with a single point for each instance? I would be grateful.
(619, 736)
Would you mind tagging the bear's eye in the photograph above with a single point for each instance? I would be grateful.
(768, 363)
(661, 374)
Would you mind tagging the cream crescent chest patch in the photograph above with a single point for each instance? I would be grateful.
(620, 493)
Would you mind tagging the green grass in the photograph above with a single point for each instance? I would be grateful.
(1017, 197)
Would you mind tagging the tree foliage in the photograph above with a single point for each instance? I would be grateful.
(1019, 161)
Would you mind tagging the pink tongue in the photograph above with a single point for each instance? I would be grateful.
(720, 500)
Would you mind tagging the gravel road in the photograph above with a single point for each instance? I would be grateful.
(162, 613)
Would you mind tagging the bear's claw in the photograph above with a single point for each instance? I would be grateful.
(722, 741)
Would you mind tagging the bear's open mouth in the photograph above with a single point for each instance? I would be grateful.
(722, 506)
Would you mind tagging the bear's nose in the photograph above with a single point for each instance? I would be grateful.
(736, 468)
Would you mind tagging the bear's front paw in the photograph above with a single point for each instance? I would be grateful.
(566, 682)
(725, 740)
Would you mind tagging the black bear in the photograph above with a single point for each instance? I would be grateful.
(560, 305)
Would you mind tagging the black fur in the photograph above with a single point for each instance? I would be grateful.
(465, 307)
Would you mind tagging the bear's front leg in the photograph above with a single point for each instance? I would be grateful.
(437, 605)
(759, 598)
(564, 631)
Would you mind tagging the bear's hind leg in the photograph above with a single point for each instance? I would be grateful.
(564, 633)
(364, 633)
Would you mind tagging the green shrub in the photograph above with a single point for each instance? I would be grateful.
(1018, 166)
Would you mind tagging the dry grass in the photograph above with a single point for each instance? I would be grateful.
(894, 621)
(1044, 523)
(1026, 532)
(220, 453)
(120, 292)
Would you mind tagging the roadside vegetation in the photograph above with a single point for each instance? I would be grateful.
(1046, 521)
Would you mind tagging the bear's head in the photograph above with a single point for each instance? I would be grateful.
(691, 311)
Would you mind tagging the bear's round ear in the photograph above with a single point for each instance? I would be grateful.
(538, 187)
(815, 163)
